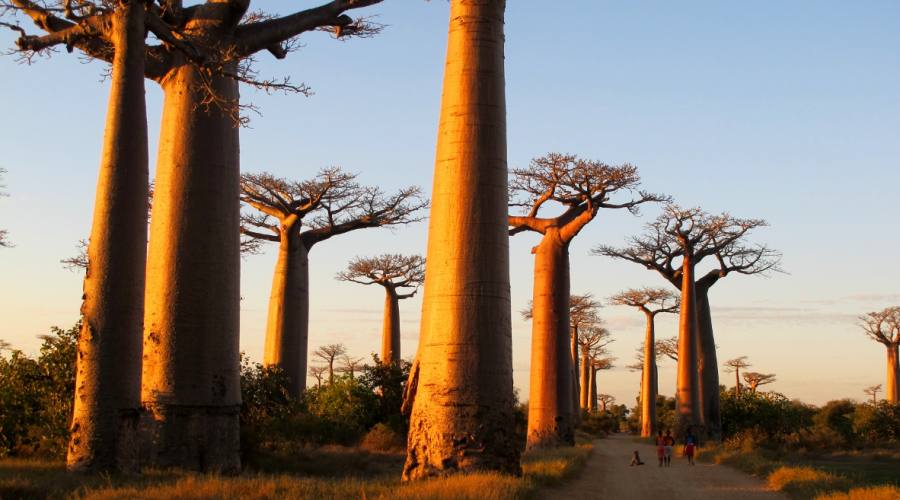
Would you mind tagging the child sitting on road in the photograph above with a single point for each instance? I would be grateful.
(636, 459)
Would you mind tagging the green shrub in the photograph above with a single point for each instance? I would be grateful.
(879, 423)
(36, 397)
(768, 414)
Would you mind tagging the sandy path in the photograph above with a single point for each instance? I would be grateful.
(607, 475)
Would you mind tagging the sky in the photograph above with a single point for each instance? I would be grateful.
(786, 111)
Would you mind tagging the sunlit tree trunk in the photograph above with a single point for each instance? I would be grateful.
(108, 377)
(288, 322)
(576, 374)
(592, 401)
(550, 408)
(893, 371)
(648, 381)
(462, 412)
(585, 384)
(390, 335)
(191, 385)
(708, 366)
(687, 394)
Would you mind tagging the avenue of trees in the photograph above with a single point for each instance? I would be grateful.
(152, 376)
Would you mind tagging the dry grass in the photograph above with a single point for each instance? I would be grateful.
(805, 482)
(870, 493)
(29, 479)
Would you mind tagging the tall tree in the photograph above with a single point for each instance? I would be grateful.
(755, 379)
(674, 244)
(736, 365)
(583, 311)
(884, 327)
(191, 358)
(581, 187)
(592, 342)
(351, 365)
(597, 364)
(329, 354)
(460, 388)
(605, 401)
(650, 301)
(297, 216)
(395, 273)
(873, 391)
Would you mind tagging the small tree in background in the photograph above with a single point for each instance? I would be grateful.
(329, 354)
(317, 372)
(736, 365)
(394, 273)
(755, 379)
(873, 391)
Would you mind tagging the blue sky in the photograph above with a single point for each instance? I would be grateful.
(788, 111)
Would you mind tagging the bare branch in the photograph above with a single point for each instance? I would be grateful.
(392, 271)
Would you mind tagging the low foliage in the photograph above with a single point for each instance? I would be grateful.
(805, 482)
(36, 397)
(869, 493)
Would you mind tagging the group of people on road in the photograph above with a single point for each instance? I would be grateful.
(665, 445)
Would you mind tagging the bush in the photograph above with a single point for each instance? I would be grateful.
(383, 438)
(879, 423)
(36, 397)
(767, 414)
(805, 481)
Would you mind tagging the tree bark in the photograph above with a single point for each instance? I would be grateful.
(689, 416)
(390, 335)
(550, 408)
(891, 390)
(737, 381)
(648, 382)
(585, 384)
(287, 327)
(191, 381)
(592, 401)
(708, 367)
(576, 374)
(108, 377)
(462, 415)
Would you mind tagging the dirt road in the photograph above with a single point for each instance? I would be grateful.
(608, 476)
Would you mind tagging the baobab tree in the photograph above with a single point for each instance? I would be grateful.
(190, 370)
(583, 311)
(460, 387)
(329, 354)
(668, 347)
(396, 274)
(297, 216)
(605, 400)
(351, 365)
(581, 187)
(735, 365)
(598, 363)
(650, 301)
(873, 391)
(674, 244)
(884, 327)
(592, 343)
(755, 379)
(317, 372)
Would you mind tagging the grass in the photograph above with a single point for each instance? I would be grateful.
(809, 476)
(329, 472)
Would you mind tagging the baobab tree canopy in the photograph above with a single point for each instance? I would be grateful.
(884, 327)
(401, 276)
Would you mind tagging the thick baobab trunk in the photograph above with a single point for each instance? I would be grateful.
(687, 395)
(390, 335)
(576, 374)
(648, 381)
(191, 384)
(737, 381)
(288, 322)
(462, 415)
(708, 367)
(592, 401)
(891, 390)
(585, 384)
(550, 408)
(108, 377)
